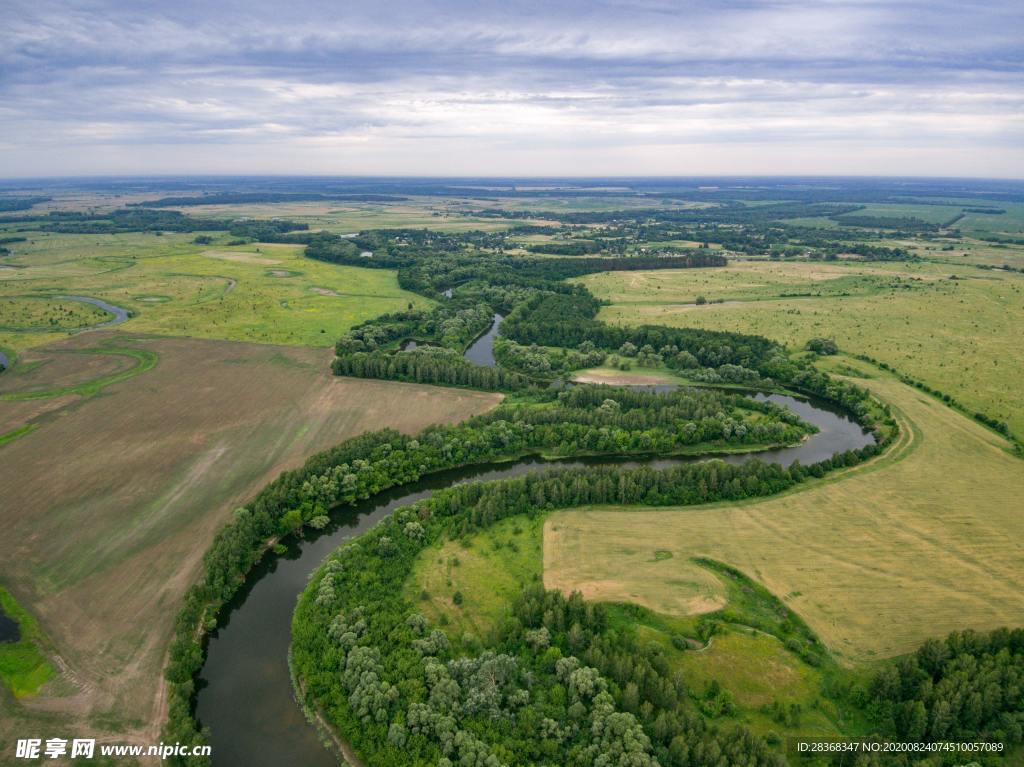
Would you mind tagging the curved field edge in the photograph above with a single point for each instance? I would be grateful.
(445, 505)
(918, 542)
(971, 355)
(145, 360)
(199, 615)
(799, 637)
(773, 672)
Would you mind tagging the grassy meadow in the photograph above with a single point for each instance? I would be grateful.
(258, 292)
(487, 570)
(960, 335)
(48, 314)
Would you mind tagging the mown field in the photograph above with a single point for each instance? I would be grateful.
(144, 470)
(960, 335)
(918, 544)
(172, 286)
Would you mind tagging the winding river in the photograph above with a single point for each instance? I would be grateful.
(244, 690)
(120, 315)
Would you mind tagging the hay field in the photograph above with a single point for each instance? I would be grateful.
(961, 336)
(915, 545)
(109, 505)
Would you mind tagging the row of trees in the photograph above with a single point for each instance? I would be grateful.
(983, 418)
(135, 219)
(429, 365)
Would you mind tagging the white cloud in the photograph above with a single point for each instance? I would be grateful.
(626, 88)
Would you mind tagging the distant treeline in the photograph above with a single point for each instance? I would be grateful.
(877, 252)
(752, 229)
(20, 203)
(429, 262)
(902, 223)
(713, 189)
(726, 213)
(241, 198)
(125, 220)
(573, 248)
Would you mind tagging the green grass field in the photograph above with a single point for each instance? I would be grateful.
(261, 293)
(488, 570)
(960, 336)
(24, 667)
(48, 314)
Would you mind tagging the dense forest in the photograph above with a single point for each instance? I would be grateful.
(21, 203)
(124, 220)
(967, 687)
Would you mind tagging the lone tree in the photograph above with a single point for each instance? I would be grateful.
(822, 346)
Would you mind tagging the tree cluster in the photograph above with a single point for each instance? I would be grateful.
(967, 687)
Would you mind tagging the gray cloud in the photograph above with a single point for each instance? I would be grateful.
(528, 87)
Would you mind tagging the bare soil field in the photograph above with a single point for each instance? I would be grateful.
(110, 503)
(912, 546)
(57, 368)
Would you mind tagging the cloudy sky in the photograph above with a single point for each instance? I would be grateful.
(592, 87)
